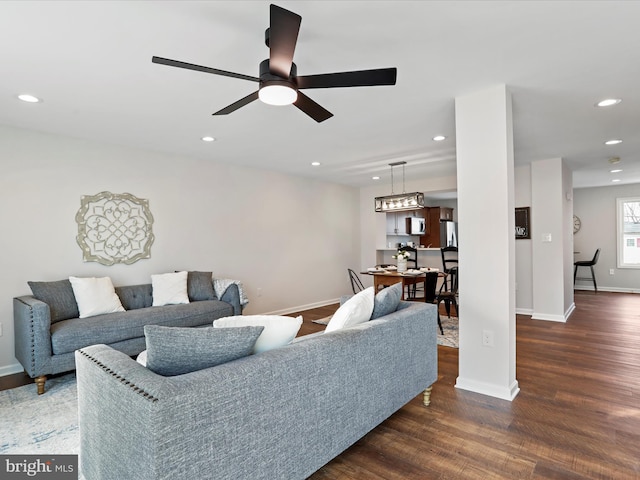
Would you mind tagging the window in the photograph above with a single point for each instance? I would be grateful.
(628, 214)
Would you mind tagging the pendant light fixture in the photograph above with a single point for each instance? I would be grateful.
(399, 202)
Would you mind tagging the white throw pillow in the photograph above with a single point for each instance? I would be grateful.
(169, 288)
(357, 309)
(95, 296)
(142, 358)
(278, 330)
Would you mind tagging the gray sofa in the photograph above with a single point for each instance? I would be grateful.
(280, 414)
(45, 341)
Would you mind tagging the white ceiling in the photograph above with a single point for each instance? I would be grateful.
(90, 61)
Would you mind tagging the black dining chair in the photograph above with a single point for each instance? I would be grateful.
(587, 263)
(448, 296)
(449, 260)
(356, 283)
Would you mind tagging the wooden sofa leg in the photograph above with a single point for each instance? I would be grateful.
(426, 399)
(40, 381)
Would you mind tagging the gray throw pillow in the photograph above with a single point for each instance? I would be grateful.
(387, 300)
(59, 296)
(176, 350)
(200, 286)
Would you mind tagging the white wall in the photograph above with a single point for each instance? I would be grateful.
(292, 237)
(596, 208)
(524, 279)
(551, 240)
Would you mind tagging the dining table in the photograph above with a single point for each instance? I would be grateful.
(384, 278)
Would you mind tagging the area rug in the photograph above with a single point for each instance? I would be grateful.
(449, 325)
(40, 424)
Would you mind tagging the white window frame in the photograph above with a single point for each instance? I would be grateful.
(620, 232)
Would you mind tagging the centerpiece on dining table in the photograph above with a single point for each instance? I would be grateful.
(402, 256)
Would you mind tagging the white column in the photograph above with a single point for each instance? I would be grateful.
(484, 149)
(552, 240)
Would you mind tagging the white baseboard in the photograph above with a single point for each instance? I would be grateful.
(548, 317)
(607, 289)
(11, 369)
(503, 392)
(524, 311)
(300, 308)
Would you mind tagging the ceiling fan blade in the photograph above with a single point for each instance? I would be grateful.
(199, 68)
(283, 35)
(361, 78)
(236, 105)
(311, 108)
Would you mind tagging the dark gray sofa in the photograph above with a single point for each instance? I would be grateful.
(280, 414)
(45, 348)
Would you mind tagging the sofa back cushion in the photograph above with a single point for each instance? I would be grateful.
(59, 296)
(133, 297)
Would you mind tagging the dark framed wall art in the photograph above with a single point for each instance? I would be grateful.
(523, 223)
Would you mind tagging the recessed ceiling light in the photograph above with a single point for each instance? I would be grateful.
(617, 170)
(614, 141)
(615, 180)
(25, 97)
(315, 164)
(608, 102)
(439, 138)
(208, 139)
(375, 178)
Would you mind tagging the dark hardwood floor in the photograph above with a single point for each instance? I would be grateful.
(577, 415)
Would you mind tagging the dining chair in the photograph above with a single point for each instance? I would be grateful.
(413, 284)
(587, 263)
(448, 296)
(449, 260)
(356, 283)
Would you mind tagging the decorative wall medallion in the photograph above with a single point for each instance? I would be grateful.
(114, 228)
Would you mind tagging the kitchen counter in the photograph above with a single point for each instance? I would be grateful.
(427, 257)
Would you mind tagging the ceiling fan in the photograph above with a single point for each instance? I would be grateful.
(279, 83)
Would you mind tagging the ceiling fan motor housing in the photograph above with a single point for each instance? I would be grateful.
(268, 78)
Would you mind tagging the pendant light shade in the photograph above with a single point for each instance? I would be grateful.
(399, 202)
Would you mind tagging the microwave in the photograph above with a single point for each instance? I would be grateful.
(416, 226)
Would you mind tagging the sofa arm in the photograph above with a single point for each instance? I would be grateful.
(32, 329)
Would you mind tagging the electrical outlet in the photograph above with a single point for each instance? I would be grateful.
(259, 291)
(611, 271)
(0, 329)
(487, 338)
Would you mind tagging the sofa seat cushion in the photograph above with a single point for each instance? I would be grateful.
(70, 335)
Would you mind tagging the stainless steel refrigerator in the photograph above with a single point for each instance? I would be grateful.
(448, 234)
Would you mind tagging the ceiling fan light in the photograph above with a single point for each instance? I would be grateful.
(277, 95)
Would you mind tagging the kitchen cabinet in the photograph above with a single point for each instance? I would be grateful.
(442, 213)
(434, 217)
